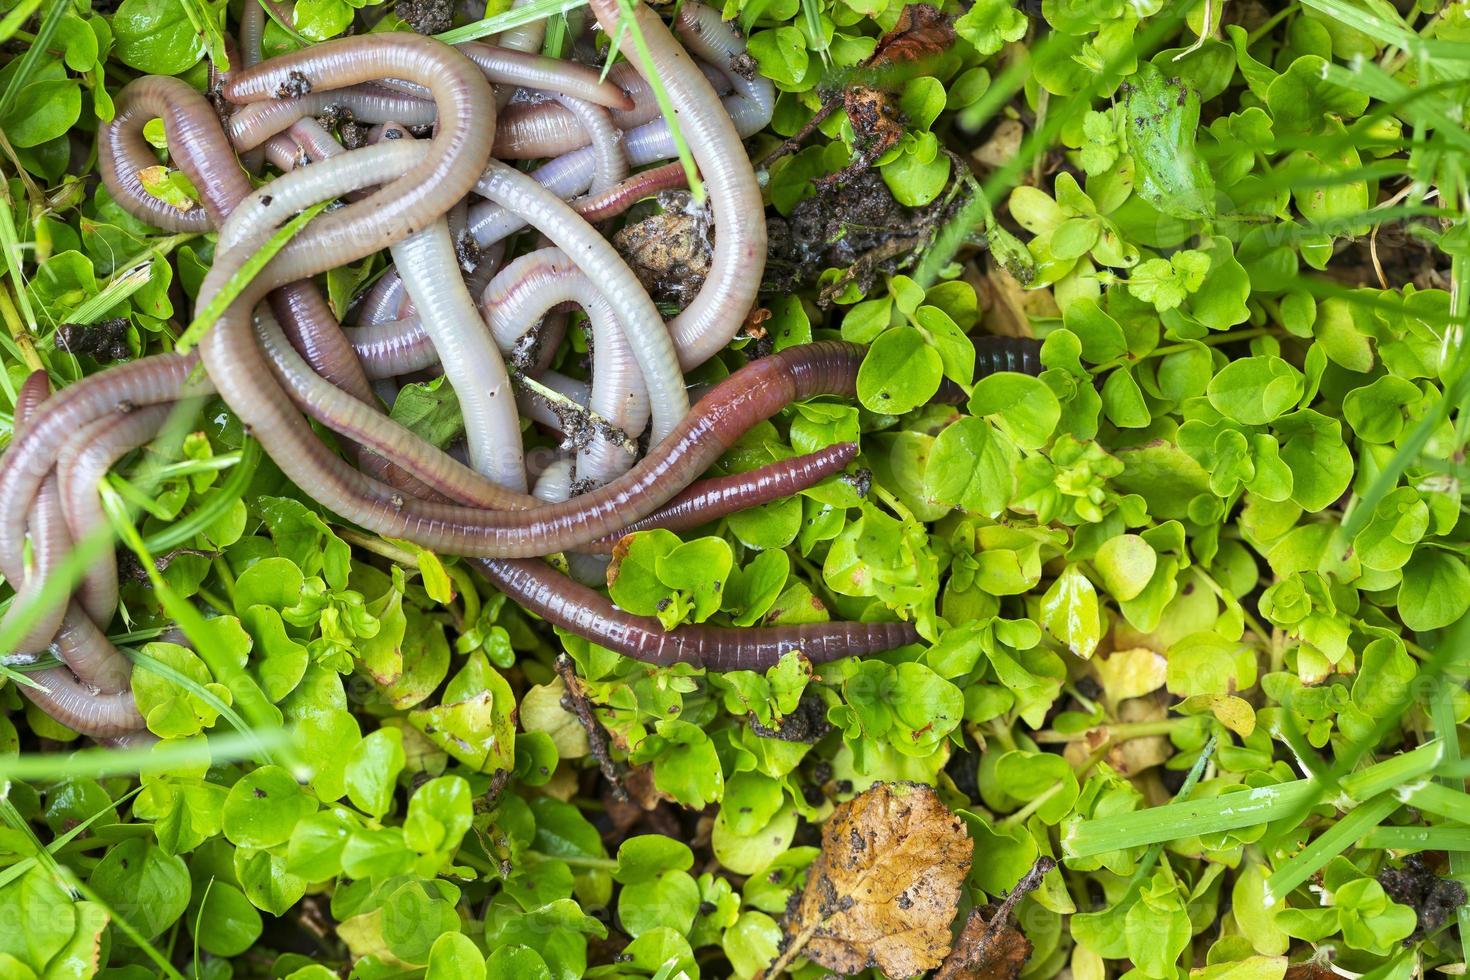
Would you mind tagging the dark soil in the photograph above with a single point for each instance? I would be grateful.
(105, 341)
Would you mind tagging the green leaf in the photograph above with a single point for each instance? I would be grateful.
(971, 467)
(989, 24)
(143, 884)
(1126, 564)
(1436, 590)
(899, 373)
(439, 814)
(1069, 612)
(226, 923)
(454, 956)
(1256, 390)
(430, 410)
(1026, 407)
(1162, 119)
(372, 771)
(156, 36)
(263, 807)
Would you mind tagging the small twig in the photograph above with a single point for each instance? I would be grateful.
(793, 143)
(575, 700)
(19, 333)
(499, 780)
(1028, 884)
(798, 942)
(967, 955)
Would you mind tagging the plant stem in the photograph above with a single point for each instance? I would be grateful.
(1119, 732)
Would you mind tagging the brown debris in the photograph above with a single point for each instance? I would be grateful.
(427, 16)
(921, 33)
(991, 948)
(294, 87)
(876, 129)
(1435, 900)
(670, 251)
(575, 701)
(886, 886)
(856, 226)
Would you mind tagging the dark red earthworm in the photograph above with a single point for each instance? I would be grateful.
(589, 614)
(720, 496)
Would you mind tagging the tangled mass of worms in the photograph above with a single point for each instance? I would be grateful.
(444, 206)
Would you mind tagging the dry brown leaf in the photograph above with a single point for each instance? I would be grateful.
(886, 886)
(1009, 307)
(1312, 969)
(985, 951)
(921, 32)
(1002, 146)
(991, 948)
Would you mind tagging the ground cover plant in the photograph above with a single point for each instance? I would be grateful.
(1189, 585)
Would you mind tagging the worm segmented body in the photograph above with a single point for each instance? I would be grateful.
(445, 207)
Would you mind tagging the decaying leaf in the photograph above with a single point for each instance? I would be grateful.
(989, 947)
(921, 32)
(886, 886)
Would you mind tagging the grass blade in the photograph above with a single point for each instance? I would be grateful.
(1453, 839)
(220, 301)
(18, 16)
(33, 54)
(21, 867)
(1438, 799)
(628, 23)
(97, 763)
(1191, 818)
(1336, 839)
(1187, 818)
(516, 17)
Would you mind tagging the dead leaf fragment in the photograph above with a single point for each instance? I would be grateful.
(989, 947)
(886, 886)
(921, 32)
(986, 950)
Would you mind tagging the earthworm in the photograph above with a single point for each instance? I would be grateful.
(120, 389)
(528, 37)
(594, 255)
(49, 539)
(750, 395)
(102, 670)
(716, 313)
(79, 707)
(201, 151)
(994, 354)
(520, 295)
(586, 612)
(81, 465)
(123, 153)
(715, 497)
(426, 263)
(252, 125)
(629, 191)
(459, 148)
(389, 348)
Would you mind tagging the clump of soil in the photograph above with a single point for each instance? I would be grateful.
(294, 87)
(1434, 899)
(669, 251)
(427, 16)
(105, 341)
(808, 723)
(855, 225)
